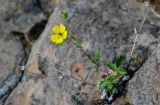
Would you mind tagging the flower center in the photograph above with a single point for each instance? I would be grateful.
(60, 34)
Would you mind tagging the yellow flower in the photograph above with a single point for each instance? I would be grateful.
(59, 34)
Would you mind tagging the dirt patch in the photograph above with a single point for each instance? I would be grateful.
(78, 70)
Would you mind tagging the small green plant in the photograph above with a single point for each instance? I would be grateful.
(96, 56)
(120, 60)
(114, 77)
(110, 83)
(64, 14)
(117, 67)
(76, 44)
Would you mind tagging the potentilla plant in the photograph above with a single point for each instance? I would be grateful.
(115, 77)
(111, 82)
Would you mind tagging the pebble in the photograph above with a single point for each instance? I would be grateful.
(104, 95)
(110, 98)
(126, 78)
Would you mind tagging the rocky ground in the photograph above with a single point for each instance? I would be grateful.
(107, 25)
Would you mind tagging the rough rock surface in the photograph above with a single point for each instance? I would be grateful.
(144, 87)
(104, 24)
(10, 51)
(17, 16)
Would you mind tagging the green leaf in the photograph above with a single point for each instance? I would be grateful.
(98, 53)
(120, 60)
(102, 84)
(109, 86)
(64, 14)
(114, 90)
(73, 38)
(96, 56)
(112, 79)
(112, 66)
(121, 71)
(78, 45)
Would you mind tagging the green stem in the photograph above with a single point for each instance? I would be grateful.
(97, 66)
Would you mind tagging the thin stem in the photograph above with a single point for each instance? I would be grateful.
(129, 11)
(134, 44)
(137, 33)
(44, 75)
(63, 76)
(81, 80)
(97, 66)
(144, 18)
(62, 73)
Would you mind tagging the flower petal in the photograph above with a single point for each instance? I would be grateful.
(60, 39)
(54, 38)
(55, 29)
(64, 34)
(62, 28)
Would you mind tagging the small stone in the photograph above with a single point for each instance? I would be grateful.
(110, 98)
(22, 68)
(104, 95)
(126, 78)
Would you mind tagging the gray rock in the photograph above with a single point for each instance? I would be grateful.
(145, 84)
(11, 51)
(104, 95)
(97, 24)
